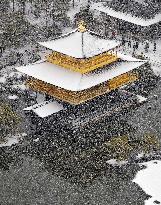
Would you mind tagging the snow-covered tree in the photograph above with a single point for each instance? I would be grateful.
(9, 121)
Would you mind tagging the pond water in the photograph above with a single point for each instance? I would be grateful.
(88, 169)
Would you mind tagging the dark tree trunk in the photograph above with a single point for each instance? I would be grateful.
(13, 5)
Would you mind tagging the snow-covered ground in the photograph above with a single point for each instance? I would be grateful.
(115, 162)
(10, 141)
(149, 179)
(154, 57)
(12, 97)
(75, 8)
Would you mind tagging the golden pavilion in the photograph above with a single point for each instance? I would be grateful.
(81, 66)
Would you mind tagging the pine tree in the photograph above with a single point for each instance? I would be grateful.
(9, 121)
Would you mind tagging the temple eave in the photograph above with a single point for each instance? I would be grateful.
(78, 97)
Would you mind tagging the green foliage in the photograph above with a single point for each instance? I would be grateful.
(149, 143)
(121, 148)
(118, 147)
(9, 121)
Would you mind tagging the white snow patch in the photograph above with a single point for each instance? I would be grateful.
(125, 57)
(3, 78)
(20, 86)
(12, 97)
(10, 141)
(141, 98)
(24, 134)
(16, 74)
(157, 70)
(36, 140)
(115, 162)
(149, 180)
(140, 155)
(150, 201)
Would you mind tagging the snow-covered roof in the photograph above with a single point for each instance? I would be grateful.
(75, 81)
(125, 57)
(124, 16)
(71, 44)
(46, 108)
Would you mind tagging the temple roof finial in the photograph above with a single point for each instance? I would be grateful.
(82, 26)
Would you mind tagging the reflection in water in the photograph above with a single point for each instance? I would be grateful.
(5, 158)
(83, 166)
(30, 183)
(83, 158)
(81, 162)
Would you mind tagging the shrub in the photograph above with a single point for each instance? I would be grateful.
(9, 121)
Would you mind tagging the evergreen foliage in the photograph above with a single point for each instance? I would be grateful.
(9, 121)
